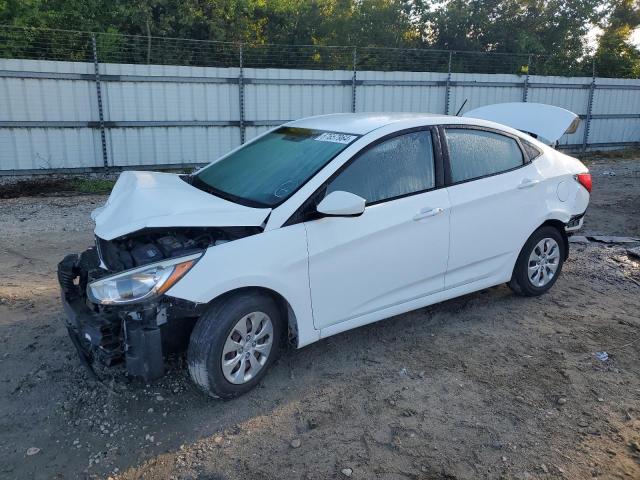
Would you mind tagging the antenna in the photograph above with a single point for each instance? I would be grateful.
(461, 107)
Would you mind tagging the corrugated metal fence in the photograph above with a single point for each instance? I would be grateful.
(87, 115)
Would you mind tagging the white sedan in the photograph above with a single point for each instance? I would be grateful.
(316, 227)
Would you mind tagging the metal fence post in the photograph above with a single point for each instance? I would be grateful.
(353, 81)
(447, 92)
(587, 123)
(525, 89)
(241, 96)
(103, 136)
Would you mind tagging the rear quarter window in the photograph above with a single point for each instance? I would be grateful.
(480, 153)
(530, 150)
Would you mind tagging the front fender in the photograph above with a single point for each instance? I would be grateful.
(276, 260)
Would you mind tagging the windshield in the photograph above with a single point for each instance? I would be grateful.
(268, 171)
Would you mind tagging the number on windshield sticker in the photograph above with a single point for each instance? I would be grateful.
(336, 137)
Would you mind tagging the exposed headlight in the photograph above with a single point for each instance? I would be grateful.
(140, 283)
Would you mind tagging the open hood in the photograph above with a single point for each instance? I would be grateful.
(547, 122)
(150, 199)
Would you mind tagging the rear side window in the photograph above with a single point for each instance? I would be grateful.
(399, 166)
(478, 153)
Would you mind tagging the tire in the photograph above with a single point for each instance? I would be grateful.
(219, 330)
(532, 274)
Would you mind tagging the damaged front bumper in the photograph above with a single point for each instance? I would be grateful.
(138, 335)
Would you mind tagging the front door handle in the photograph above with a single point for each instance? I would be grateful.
(528, 183)
(428, 212)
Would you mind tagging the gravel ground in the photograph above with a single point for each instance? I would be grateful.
(488, 385)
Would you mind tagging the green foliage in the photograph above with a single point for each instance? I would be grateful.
(615, 56)
(551, 31)
(96, 186)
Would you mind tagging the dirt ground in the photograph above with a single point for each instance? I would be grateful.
(489, 385)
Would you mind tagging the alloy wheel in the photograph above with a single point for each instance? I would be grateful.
(247, 347)
(543, 262)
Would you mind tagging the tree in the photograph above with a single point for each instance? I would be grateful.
(615, 56)
(544, 28)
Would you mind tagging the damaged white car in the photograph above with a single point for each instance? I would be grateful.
(319, 226)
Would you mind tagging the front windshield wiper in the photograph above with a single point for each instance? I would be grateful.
(196, 182)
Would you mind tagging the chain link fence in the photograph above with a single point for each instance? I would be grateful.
(242, 85)
(66, 45)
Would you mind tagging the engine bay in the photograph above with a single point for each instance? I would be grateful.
(154, 245)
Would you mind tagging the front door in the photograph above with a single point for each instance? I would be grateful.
(397, 250)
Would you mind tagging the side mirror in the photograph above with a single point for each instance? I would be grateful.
(342, 204)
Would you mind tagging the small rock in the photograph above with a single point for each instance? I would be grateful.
(218, 440)
(295, 443)
(159, 398)
(33, 451)
(346, 472)
(150, 410)
(600, 399)
(562, 401)
(149, 438)
(544, 468)
(520, 398)
(504, 459)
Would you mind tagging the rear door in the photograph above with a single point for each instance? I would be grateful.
(397, 250)
(497, 198)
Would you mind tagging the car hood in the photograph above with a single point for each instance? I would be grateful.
(151, 200)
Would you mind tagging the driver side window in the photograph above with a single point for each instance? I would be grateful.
(393, 168)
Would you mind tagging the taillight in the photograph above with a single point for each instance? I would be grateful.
(585, 180)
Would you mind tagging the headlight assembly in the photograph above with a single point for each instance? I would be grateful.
(140, 283)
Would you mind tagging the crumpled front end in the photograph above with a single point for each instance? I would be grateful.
(139, 336)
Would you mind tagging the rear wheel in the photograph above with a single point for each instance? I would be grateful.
(234, 343)
(539, 263)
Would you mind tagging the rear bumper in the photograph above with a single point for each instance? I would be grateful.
(139, 336)
(575, 223)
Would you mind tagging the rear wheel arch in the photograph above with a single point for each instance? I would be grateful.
(559, 225)
(520, 282)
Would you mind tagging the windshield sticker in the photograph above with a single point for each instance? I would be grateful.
(335, 137)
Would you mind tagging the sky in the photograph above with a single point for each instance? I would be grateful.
(592, 37)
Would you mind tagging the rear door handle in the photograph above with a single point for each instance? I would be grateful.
(427, 212)
(528, 183)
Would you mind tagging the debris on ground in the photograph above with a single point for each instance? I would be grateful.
(602, 356)
(578, 239)
(613, 239)
(634, 252)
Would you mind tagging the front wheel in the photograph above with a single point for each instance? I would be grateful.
(234, 343)
(539, 263)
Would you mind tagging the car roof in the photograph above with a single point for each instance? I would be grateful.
(363, 123)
